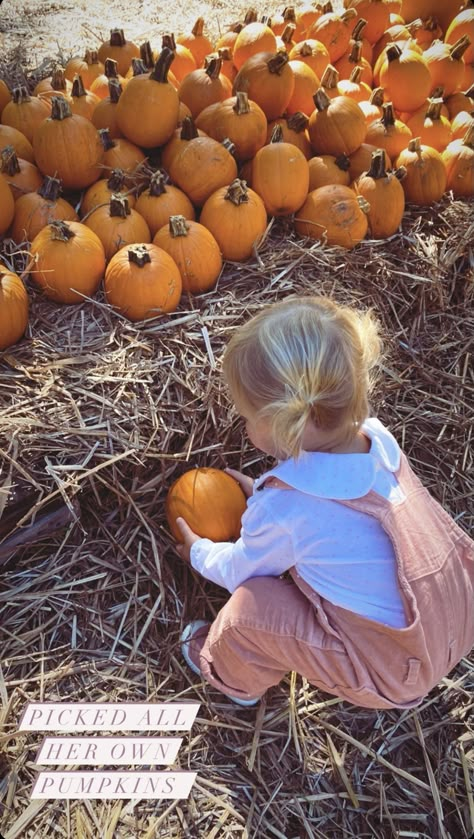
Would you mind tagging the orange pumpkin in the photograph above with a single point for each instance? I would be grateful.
(458, 159)
(117, 225)
(294, 130)
(104, 114)
(252, 39)
(21, 175)
(280, 175)
(239, 119)
(377, 15)
(184, 61)
(462, 24)
(306, 85)
(384, 193)
(425, 180)
(336, 126)
(119, 153)
(335, 215)
(406, 79)
(460, 124)
(142, 281)
(313, 53)
(35, 210)
(361, 159)
(237, 218)
(210, 501)
(7, 205)
(67, 146)
(389, 133)
(196, 42)
(162, 200)
(195, 251)
(101, 192)
(119, 49)
(348, 63)
(147, 111)
(100, 85)
(88, 68)
(13, 308)
(82, 101)
(268, 80)
(68, 261)
(12, 137)
(204, 87)
(334, 31)
(446, 64)
(432, 128)
(326, 169)
(201, 166)
(24, 112)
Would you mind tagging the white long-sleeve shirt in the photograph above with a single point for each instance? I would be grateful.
(343, 554)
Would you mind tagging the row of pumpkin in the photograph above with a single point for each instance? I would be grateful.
(319, 167)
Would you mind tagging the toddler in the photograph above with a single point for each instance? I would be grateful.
(378, 603)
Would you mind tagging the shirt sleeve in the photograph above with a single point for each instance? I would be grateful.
(263, 549)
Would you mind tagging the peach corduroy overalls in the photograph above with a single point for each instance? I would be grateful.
(272, 625)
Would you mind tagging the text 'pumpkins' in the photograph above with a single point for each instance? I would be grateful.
(210, 501)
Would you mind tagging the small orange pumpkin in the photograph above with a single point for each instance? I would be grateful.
(119, 49)
(117, 225)
(142, 281)
(21, 175)
(336, 126)
(239, 119)
(24, 112)
(458, 158)
(88, 68)
(35, 210)
(237, 218)
(426, 177)
(280, 175)
(162, 200)
(68, 261)
(210, 501)
(201, 88)
(252, 39)
(13, 308)
(196, 42)
(268, 80)
(384, 193)
(101, 192)
(195, 251)
(326, 169)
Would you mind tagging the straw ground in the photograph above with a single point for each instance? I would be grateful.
(107, 413)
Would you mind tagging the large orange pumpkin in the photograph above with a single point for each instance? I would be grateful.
(210, 501)
(239, 119)
(237, 218)
(13, 308)
(142, 281)
(336, 126)
(68, 261)
(147, 111)
(268, 80)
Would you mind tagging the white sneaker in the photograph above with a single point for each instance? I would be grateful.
(186, 636)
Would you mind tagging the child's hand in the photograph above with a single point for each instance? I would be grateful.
(245, 483)
(189, 538)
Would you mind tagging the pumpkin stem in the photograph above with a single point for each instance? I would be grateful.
(229, 145)
(358, 29)
(289, 14)
(9, 164)
(214, 68)
(168, 40)
(321, 99)
(306, 49)
(198, 27)
(241, 105)
(119, 206)
(330, 77)
(157, 184)
(139, 67)
(348, 15)
(162, 66)
(356, 52)
(105, 138)
(225, 53)
(266, 20)
(139, 255)
(178, 226)
(237, 192)
(363, 204)
(146, 55)
(343, 162)
(377, 165)
(60, 231)
(110, 68)
(78, 88)
(393, 52)
(116, 180)
(438, 92)
(250, 16)
(60, 108)
(20, 95)
(459, 48)
(288, 32)
(434, 109)
(91, 57)
(356, 74)
(388, 116)
(188, 129)
(297, 121)
(414, 145)
(58, 79)
(277, 134)
(115, 90)
(117, 38)
(326, 8)
(376, 97)
(400, 173)
(50, 189)
(277, 62)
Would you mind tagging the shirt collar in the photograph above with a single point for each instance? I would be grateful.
(340, 476)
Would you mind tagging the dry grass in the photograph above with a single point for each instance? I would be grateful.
(108, 413)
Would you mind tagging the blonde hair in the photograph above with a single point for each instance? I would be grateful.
(304, 358)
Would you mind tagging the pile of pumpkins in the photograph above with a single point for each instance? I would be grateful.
(173, 161)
